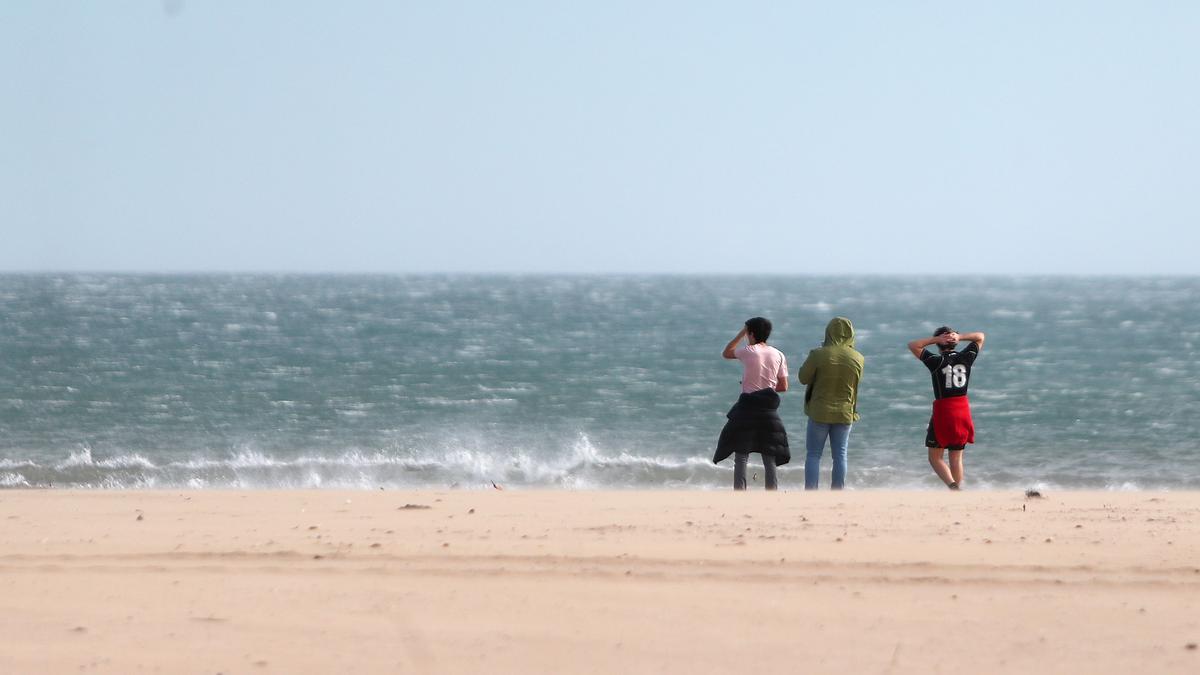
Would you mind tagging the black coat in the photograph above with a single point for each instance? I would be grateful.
(754, 426)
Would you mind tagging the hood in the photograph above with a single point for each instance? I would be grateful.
(839, 333)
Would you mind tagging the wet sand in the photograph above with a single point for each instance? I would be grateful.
(598, 582)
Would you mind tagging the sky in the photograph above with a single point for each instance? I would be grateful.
(872, 137)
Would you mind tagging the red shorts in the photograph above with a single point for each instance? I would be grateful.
(951, 426)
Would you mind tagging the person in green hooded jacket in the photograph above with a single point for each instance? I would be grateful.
(831, 374)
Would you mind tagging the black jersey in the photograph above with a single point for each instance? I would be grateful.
(951, 370)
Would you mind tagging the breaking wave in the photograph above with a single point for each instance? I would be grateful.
(579, 466)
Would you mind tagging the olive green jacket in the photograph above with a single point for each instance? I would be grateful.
(832, 373)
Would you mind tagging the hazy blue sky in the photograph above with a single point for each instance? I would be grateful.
(831, 137)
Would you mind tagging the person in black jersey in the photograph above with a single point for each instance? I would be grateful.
(950, 427)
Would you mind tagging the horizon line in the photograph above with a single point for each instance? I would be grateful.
(545, 273)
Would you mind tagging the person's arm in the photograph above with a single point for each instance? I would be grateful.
(781, 377)
(976, 337)
(917, 347)
(808, 369)
(733, 344)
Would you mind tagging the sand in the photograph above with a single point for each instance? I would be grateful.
(598, 582)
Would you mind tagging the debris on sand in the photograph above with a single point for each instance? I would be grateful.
(409, 507)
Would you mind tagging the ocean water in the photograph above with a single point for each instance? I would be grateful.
(132, 381)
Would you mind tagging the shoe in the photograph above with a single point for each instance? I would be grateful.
(953, 486)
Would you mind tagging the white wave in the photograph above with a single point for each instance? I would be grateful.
(1125, 486)
(126, 462)
(81, 458)
(474, 462)
(84, 458)
(17, 463)
(516, 389)
(11, 480)
(439, 401)
(1002, 313)
(243, 459)
(909, 407)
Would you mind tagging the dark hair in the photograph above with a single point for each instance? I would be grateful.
(759, 328)
(942, 331)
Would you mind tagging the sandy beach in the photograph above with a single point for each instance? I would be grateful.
(598, 582)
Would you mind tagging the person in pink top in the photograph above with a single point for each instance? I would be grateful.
(754, 424)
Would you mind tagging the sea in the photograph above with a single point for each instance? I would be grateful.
(114, 381)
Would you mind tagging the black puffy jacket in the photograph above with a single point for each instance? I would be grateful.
(754, 426)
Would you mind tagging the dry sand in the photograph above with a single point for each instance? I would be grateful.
(598, 582)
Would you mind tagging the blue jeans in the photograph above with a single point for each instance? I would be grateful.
(839, 440)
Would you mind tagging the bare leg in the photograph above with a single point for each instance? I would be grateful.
(956, 466)
(939, 465)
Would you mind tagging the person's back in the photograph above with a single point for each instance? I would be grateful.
(832, 373)
(754, 424)
(951, 427)
(764, 367)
